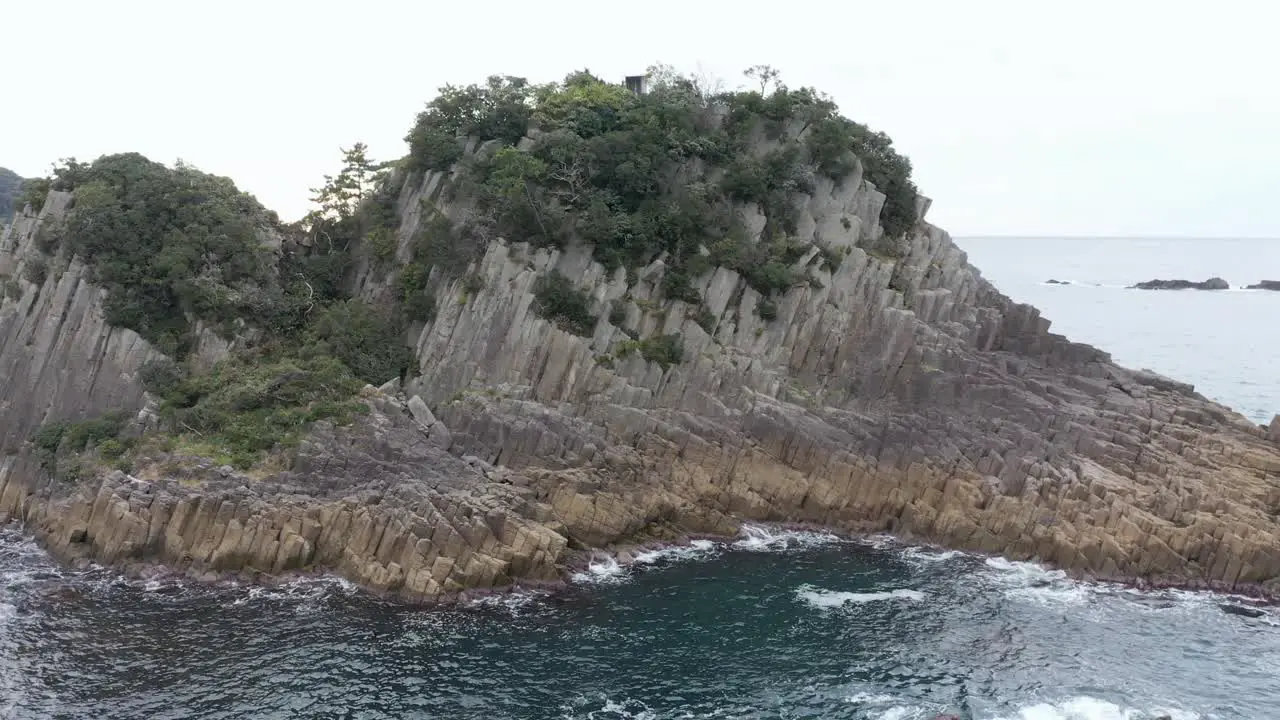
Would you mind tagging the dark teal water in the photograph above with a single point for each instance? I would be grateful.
(777, 626)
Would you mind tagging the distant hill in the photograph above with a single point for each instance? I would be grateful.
(10, 187)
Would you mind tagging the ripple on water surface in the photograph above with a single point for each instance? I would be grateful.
(776, 624)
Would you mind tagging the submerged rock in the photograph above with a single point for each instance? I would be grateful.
(1057, 282)
(1214, 283)
(1242, 610)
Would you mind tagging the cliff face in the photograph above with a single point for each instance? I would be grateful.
(889, 393)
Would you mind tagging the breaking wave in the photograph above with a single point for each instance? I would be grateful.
(759, 538)
(1088, 708)
(820, 598)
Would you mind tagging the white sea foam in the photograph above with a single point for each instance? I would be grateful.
(930, 554)
(820, 598)
(604, 708)
(515, 603)
(758, 538)
(1036, 583)
(866, 698)
(602, 570)
(306, 591)
(1088, 708)
(695, 550)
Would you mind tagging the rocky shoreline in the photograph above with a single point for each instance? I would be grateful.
(890, 393)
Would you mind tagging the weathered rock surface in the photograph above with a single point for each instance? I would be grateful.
(1215, 283)
(889, 394)
(1265, 285)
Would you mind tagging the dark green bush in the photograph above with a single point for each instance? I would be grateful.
(767, 309)
(617, 313)
(36, 270)
(59, 440)
(666, 350)
(706, 319)
(169, 244)
(498, 110)
(161, 376)
(245, 409)
(366, 343)
(33, 192)
(558, 300)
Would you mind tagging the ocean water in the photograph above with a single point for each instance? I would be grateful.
(770, 625)
(1224, 342)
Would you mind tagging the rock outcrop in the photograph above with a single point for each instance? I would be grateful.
(1265, 285)
(1214, 283)
(889, 393)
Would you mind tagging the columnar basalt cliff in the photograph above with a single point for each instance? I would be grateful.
(886, 391)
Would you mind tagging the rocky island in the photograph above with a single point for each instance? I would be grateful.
(576, 317)
(1215, 283)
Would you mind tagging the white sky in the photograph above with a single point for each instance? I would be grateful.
(1121, 117)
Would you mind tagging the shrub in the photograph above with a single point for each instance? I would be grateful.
(33, 192)
(168, 245)
(557, 299)
(472, 284)
(666, 350)
(56, 443)
(767, 309)
(706, 319)
(161, 376)
(370, 346)
(244, 409)
(36, 270)
(617, 313)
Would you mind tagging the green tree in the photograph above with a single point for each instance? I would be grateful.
(766, 75)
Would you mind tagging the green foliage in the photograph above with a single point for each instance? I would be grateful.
(244, 409)
(472, 284)
(765, 265)
(161, 376)
(706, 319)
(58, 443)
(666, 350)
(614, 169)
(498, 110)
(36, 270)
(767, 309)
(168, 245)
(558, 300)
(366, 343)
(438, 244)
(416, 300)
(831, 257)
(617, 313)
(34, 192)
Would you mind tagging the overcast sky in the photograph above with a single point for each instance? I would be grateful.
(1120, 117)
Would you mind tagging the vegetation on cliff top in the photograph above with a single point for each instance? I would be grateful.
(635, 175)
(638, 174)
(176, 246)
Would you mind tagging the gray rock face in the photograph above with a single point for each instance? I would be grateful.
(900, 394)
(1215, 283)
(1265, 285)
